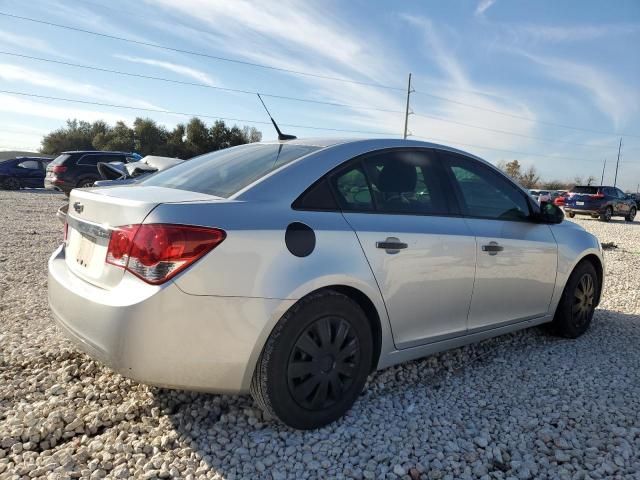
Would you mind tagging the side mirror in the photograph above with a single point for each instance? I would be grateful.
(550, 213)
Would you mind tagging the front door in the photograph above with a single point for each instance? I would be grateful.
(517, 257)
(422, 255)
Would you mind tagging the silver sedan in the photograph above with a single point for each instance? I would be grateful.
(294, 269)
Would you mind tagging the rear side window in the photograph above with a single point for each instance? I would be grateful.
(318, 197)
(352, 189)
(30, 165)
(225, 172)
(93, 159)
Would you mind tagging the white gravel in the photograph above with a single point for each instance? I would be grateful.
(521, 406)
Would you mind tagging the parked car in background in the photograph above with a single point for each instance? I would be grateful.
(560, 198)
(21, 172)
(118, 173)
(601, 202)
(540, 195)
(79, 169)
(293, 270)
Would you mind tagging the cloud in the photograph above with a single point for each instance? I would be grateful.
(574, 33)
(183, 70)
(610, 95)
(22, 41)
(483, 6)
(22, 75)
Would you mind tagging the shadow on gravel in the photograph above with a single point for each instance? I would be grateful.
(37, 191)
(517, 397)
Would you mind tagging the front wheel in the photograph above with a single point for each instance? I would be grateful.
(315, 362)
(578, 302)
(607, 214)
(631, 215)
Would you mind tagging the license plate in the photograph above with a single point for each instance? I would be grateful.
(579, 203)
(85, 250)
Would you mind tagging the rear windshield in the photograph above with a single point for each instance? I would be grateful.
(225, 172)
(59, 159)
(587, 190)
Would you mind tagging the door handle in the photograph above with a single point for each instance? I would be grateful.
(492, 248)
(391, 245)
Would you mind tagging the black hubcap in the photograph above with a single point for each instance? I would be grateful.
(583, 300)
(608, 214)
(323, 363)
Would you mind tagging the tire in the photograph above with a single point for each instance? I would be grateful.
(571, 214)
(578, 302)
(299, 378)
(607, 214)
(631, 215)
(11, 183)
(86, 182)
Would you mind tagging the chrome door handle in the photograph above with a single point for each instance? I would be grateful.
(492, 248)
(391, 245)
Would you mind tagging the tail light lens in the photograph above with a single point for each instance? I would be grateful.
(157, 252)
(58, 169)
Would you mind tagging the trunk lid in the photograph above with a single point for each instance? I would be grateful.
(94, 213)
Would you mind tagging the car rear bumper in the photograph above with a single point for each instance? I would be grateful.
(160, 335)
(583, 211)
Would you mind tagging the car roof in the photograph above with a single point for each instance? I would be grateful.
(69, 152)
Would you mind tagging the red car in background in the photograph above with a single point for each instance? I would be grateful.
(559, 200)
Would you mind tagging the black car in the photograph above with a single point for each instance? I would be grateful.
(80, 169)
(600, 202)
(22, 172)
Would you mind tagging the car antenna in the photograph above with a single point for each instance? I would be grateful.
(281, 136)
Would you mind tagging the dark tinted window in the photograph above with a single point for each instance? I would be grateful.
(587, 190)
(485, 193)
(93, 159)
(59, 160)
(352, 189)
(406, 181)
(228, 171)
(318, 197)
(620, 193)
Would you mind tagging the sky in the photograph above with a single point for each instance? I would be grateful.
(551, 84)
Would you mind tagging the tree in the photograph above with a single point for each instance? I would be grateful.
(530, 178)
(512, 169)
(148, 138)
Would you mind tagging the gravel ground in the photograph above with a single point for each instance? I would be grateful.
(524, 405)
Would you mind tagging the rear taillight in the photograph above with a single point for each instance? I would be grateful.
(157, 252)
(66, 232)
(58, 169)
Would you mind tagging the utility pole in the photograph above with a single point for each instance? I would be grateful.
(407, 111)
(615, 180)
(603, 167)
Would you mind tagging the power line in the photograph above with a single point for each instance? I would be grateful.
(444, 140)
(198, 84)
(507, 132)
(308, 74)
(285, 97)
(171, 112)
(521, 117)
(201, 54)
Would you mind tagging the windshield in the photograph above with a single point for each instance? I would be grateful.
(59, 159)
(225, 172)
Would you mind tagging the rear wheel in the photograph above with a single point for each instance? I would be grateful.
(571, 214)
(315, 362)
(578, 302)
(11, 183)
(607, 214)
(86, 182)
(631, 215)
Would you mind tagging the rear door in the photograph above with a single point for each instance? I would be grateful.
(517, 258)
(30, 173)
(422, 253)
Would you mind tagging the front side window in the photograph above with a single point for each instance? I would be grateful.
(485, 193)
(226, 172)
